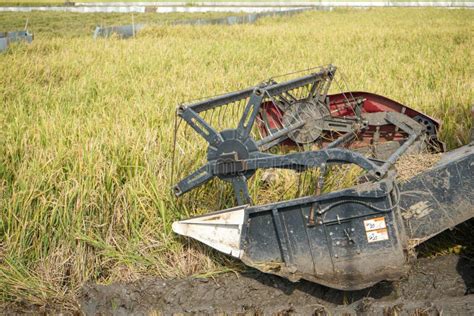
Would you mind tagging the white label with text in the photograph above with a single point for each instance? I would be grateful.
(377, 235)
(374, 223)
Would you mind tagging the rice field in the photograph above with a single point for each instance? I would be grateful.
(86, 128)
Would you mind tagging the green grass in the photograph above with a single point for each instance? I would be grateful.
(86, 129)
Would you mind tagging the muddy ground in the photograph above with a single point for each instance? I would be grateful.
(436, 286)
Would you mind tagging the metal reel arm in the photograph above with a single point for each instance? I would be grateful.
(234, 170)
(310, 159)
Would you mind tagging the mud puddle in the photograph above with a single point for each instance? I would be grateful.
(435, 286)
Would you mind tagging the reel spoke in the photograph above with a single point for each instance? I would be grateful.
(250, 114)
(200, 126)
(241, 191)
(197, 178)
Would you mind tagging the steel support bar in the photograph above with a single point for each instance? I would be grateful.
(278, 135)
(343, 140)
(407, 125)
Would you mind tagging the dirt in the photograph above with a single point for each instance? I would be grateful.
(435, 286)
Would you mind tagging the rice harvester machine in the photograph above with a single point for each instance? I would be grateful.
(349, 238)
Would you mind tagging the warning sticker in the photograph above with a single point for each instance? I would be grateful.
(376, 229)
(374, 223)
(377, 235)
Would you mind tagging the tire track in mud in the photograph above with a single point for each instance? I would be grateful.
(434, 286)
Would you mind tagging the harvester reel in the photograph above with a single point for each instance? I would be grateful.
(303, 115)
(233, 155)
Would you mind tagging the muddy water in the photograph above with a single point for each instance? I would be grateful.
(434, 286)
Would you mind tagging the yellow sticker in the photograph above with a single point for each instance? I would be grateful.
(374, 223)
(377, 235)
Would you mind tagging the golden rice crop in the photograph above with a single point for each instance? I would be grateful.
(86, 130)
